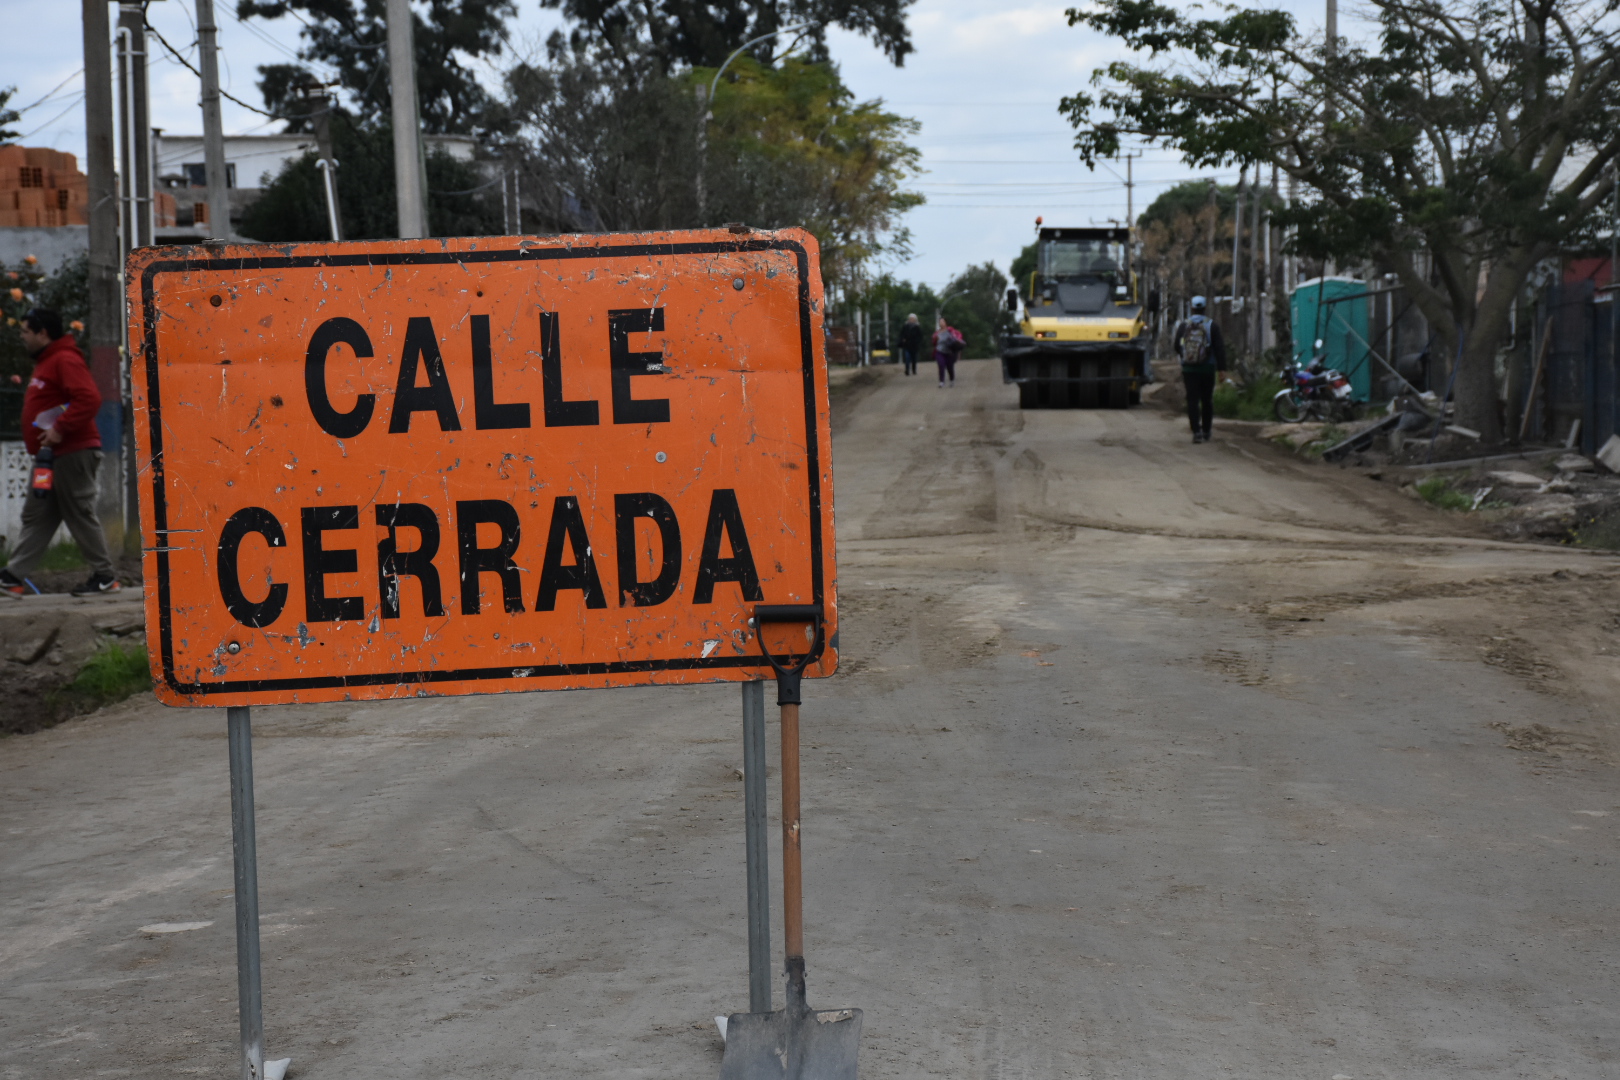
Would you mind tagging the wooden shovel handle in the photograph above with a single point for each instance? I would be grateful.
(792, 869)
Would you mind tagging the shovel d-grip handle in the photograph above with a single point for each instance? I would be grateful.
(787, 696)
(787, 678)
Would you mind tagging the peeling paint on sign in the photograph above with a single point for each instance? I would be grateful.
(478, 465)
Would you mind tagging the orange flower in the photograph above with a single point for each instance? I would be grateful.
(77, 326)
(30, 259)
(16, 294)
(11, 275)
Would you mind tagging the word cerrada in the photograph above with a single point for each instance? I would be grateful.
(567, 531)
(421, 353)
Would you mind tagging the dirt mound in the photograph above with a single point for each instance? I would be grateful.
(46, 641)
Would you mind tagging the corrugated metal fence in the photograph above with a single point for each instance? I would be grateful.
(1580, 380)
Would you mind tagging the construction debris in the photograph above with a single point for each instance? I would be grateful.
(1610, 454)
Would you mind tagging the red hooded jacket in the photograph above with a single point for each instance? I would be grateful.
(61, 377)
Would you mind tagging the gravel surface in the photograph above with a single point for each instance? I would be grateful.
(1146, 760)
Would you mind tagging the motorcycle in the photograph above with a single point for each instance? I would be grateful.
(1314, 392)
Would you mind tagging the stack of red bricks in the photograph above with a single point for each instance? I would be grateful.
(41, 187)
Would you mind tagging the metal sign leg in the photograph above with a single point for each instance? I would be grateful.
(759, 886)
(248, 995)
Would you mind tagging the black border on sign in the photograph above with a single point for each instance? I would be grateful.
(160, 513)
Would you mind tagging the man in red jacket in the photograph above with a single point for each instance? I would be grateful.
(59, 411)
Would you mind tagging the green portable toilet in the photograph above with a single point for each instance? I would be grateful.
(1335, 310)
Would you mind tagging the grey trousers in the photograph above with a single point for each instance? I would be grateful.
(73, 500)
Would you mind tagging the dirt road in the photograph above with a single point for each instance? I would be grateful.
(1147, 760)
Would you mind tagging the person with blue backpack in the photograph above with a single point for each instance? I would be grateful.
(1202, 353)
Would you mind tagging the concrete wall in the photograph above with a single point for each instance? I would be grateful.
(53, 246)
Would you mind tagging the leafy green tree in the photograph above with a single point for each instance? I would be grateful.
(293, 204)
(975, 302)
(1189, 197)
(1024, 265)
(1468, 144)
(790, 145)
(609, 149)
(351, 36)
(679, 34)
(902, 298)
(26, 286)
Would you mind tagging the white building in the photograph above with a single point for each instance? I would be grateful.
(251, 161)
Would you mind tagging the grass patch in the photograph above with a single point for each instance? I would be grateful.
(63, 556)
(1437, 491)
(1601, 531)
(114, 673)
(1326, 439)
(1251, 401)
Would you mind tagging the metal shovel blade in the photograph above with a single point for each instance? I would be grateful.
(797, 1043)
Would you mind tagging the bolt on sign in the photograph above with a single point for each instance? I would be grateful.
(415, 468)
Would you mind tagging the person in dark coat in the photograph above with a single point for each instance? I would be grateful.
(911, 336)
(1202, 352)
(59, 411)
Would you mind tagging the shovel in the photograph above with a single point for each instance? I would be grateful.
(798, 1042)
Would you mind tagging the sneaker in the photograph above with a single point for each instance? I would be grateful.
(10, 584)
(1208, 437)
(98, 584)
(1198, 437)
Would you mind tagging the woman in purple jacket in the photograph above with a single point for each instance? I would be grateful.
(948, 345)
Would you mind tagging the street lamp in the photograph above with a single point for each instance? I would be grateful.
(939, 308)
(708, 112)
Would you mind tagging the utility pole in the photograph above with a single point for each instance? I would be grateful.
(138, 220)
(1237, 250)
(1329, 111)
(1614, 270)
(1214, 219)
(1130, 213)
(1256, 251)
(1274, 279)
(106, 303)
(319, 105)
(219, 195)
(1130, 191)
(410, 169)
(134, 135)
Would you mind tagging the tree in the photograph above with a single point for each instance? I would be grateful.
(292, 206)
(886, 293)
(975, 302)
(26, 286)
(680, 34)
(351, 36)
(609, 148)
(8, 116)
(1467, 146)
(1188, 197)
(1024, 265)
(791, 146)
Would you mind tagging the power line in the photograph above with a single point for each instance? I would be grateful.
(51, 93)
(74, 104)
(223, 93)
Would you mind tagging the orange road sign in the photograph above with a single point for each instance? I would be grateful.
(479, 465)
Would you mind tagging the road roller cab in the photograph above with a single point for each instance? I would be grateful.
(1082, 339)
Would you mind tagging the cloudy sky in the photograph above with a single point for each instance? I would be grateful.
(984, 83)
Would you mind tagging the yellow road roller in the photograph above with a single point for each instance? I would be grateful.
(1082, 342)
